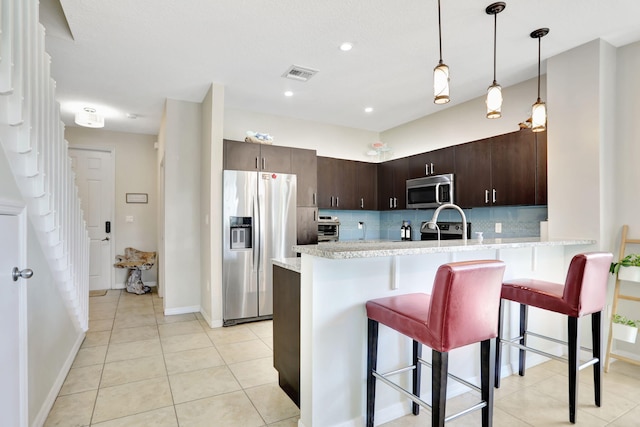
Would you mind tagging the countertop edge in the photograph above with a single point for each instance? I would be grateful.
(347, 250)
(292, 264)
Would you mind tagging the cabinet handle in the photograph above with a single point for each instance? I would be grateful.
(390, 202)
(331, 201)
(257, 167)
(337, 201)
(362, 203)
(314, 199)
(426, 169)
(314, 215)
(431, 168)
(264, 163)
(486, 196)
(395, 202)
(494, 195)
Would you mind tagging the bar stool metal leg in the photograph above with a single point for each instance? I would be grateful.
(417, 354)
(596, 336)
(440, 367)
(498, 346)
(487, 376)
(524, 316)
(372, 357)
(574, 357)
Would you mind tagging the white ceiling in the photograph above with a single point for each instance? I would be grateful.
(124, 56)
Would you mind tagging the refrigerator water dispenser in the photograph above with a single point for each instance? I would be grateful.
(240, 232)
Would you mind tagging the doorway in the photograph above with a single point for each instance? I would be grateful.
(13, 316)
(95, 179)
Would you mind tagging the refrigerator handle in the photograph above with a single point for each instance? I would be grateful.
(256, 236)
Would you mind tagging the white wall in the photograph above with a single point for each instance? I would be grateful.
(328, 140)
(52, 336)
(210, 208)
(181, 143)
(135, 172)
(579, 134)
(464, 122)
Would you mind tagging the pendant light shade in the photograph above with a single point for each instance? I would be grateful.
(539, 109)
(494, 92)
(441, 72)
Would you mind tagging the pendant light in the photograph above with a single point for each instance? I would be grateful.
(539, 109)
(440, 73)
(494, 92)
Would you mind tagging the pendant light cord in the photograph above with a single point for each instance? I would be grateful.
(495, 30)
(440, 31)
(539, 43)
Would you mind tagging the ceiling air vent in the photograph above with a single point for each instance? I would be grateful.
(296, 72)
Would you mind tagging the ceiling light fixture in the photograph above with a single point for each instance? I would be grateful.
(494, 92)
(88, 117)
(539, 109)
(441, 72)
(346, 46)
(368, 109)
(288, 93)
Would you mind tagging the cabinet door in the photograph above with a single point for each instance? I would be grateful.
(435, 162)
(326, 190)
(275, 159)
(513, 169)
(385, 186)
(400, 176)
(346, 184)
(307, 225)
(304, 164)
(541, 168)
(243, 156)
(472, 181)
(367, 178)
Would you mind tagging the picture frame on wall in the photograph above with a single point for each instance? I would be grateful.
(137, 198)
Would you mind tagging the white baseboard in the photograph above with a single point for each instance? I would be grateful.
(212, 323)
(43, 413)
(182, 310)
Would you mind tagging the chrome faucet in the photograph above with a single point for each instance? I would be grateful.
(432, 224)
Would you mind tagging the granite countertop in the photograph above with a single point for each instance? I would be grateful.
(292, 264)
(370, 249)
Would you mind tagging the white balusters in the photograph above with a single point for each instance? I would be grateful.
(32, 136)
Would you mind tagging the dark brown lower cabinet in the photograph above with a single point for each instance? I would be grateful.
(286, 330)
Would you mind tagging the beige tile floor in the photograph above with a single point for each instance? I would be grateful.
(138, 367)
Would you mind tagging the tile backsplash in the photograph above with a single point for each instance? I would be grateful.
(517, 221)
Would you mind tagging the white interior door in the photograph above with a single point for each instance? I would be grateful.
(13, 323)
(95, 181)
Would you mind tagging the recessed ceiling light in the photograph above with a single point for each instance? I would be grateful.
(288, 93)
(368, 110)
(346, 46)
(131, 116)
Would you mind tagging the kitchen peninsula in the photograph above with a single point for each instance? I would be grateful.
(336, 279)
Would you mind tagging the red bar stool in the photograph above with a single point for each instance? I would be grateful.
(584, 292)
(461, 310)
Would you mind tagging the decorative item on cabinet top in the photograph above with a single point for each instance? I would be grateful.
(380, 150)
(258, 138)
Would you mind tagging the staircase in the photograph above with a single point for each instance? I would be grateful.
(32, 136)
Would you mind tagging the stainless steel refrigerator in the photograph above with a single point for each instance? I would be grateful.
(259, 224)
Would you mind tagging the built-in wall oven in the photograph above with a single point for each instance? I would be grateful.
(429, 191)
(328, 229)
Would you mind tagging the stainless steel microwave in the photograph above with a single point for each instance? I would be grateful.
(429, 191)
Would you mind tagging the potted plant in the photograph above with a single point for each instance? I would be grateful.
(632, 268)
(624, 329)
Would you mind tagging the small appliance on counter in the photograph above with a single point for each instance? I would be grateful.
(328, 228)
(448, 231)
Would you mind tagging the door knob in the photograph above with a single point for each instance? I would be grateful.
(106, 239)
(25, 274)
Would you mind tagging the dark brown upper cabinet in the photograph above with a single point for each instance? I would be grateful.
(435, 162)
(256, 157)
(392, 184)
